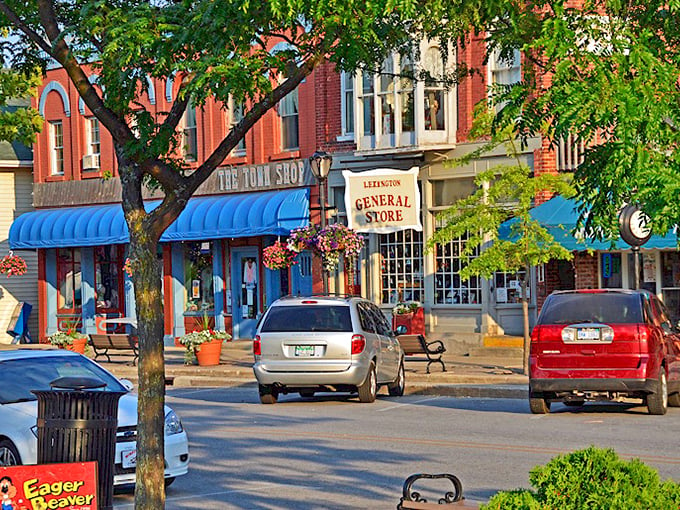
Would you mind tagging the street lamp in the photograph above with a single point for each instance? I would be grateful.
(320, 162)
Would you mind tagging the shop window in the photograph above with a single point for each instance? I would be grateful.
(198, 277)
(647, 272)
(288, 111)
(610, 267)
(189, 134)
(670, 283)
(449, 287)
(108, 279)
(56, 148)
(401, 266)
(508, 287)
(69, 279)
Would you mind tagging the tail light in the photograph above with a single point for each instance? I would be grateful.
(536, 334)
(358, 344)
(257, 346)
(643, 333)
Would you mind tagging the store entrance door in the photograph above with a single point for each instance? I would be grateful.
(246, 287)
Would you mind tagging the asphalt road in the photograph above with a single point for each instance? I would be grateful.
(333, 452)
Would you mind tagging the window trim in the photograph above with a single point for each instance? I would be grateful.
(56, 149)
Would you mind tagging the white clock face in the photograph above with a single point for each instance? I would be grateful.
(638, 225)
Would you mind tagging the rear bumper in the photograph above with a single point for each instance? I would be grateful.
(629, 386)
(353, 375)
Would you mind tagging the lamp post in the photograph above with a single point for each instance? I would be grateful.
(320, 163)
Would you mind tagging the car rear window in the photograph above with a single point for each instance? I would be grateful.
(307, 318)
(603, 308)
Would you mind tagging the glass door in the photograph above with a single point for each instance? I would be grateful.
(246, 290)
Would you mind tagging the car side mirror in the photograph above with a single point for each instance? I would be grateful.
(128, 384)
(401, 330)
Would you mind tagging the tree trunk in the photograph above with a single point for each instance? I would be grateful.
(525, 320)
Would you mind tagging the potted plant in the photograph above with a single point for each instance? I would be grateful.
(204, 346)
(279, 256)
(70, 339)
(12, 265)
(411, 315)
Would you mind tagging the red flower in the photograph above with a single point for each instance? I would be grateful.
(13, 265)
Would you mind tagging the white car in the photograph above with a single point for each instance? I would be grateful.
(23, 370)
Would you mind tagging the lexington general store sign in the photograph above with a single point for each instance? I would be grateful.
(382, 201)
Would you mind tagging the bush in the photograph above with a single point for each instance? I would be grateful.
(593, 479)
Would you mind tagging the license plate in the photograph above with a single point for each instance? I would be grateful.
(304, 350)
(129, 458)
(588, 334)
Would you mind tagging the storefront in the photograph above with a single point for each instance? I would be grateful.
(211, 254)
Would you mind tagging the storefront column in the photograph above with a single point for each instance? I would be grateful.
(177, 305)
(429, 266)
(218, 285)
(87, 289)
(51, 294)
(374, 262)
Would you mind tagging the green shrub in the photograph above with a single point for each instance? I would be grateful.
(592, 479)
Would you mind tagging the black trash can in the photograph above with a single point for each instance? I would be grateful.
(77, 422)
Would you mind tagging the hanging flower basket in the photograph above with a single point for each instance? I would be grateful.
(127, 267)
(336, 241)
(278, 256)
(12, 265)
(303, 238)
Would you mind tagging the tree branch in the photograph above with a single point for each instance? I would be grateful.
(19, 23)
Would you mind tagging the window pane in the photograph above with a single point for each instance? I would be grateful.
(401, 262)
(190, 142)
(434, 110)
(449, 191)
(108, 281)
(198, 277)
(68, 279)
(449, 287)
(369, 116)
(57, 146)
(406, 98)
(288, 110)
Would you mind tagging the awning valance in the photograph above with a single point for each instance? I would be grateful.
(559, 216)
(208, 217)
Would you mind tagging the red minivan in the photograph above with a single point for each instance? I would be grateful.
(604, 344)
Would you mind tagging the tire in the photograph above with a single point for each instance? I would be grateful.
(306, 394)
(369, 388)
(396, 389)
(674, 400)
(539, 405)
(9, 456)
(657, 402)
(268, 395)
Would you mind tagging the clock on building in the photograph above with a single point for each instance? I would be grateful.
(634, 225)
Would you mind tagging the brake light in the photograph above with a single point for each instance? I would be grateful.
(257, 346)
(536, 334)
(643, 331)
(358, 344)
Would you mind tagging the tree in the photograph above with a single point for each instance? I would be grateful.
(213, 49)
(18, 122)
(504, 192)
(608, 74)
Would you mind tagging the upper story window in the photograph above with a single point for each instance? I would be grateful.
(504, 71)
(189, 134)
(347, 104)
(56, 147)
(288, 111)
(234, 116)
(92, 144)
(393, 109)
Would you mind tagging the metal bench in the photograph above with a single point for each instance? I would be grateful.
(414, 500)
(103, 343)
(416, 344)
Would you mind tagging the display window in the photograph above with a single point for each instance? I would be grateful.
(449, 287)
(69, 281)
(401, 266)
(198, 277)
(108, 279)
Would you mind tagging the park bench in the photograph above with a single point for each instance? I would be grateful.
(414, 500)
(103, 343)
(414, 345)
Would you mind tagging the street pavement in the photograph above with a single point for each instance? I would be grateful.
(481, 372)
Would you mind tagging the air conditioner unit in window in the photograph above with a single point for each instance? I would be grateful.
(91, 162)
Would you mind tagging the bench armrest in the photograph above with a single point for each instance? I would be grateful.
(435, 347)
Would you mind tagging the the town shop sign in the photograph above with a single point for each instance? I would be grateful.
(284, 174)
(383, 200)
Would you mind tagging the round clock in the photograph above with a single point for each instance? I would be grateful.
(634, 225)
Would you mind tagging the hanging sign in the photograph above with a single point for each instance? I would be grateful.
(45, 486)
(382, 201)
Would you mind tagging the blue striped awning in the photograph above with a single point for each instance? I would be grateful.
(559, 216)
(209, 217)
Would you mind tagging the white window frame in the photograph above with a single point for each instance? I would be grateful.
(497, 66)
(289, 107)
(187, 129)
(347, 106)
(93, 140)
(56, 148)
(235, 113)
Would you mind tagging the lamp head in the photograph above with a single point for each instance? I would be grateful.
(320, 162)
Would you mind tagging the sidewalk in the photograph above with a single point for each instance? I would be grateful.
(485, 372)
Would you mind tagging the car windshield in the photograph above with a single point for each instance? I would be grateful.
(19, 376)
(601, 307)
(332, 318)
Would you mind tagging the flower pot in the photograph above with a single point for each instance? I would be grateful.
(77, 346)
(414, 322)
(208, 353)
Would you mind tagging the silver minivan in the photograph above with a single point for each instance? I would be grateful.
(326, 343)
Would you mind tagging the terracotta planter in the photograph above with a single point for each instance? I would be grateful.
(77, 346)
(208, 353)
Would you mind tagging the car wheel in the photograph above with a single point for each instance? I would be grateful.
(369, 388)
(657, 402)
(306, 394)
(9, 456)
(396, 389)
(539, 405)
(674, 400)
(268, 394)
